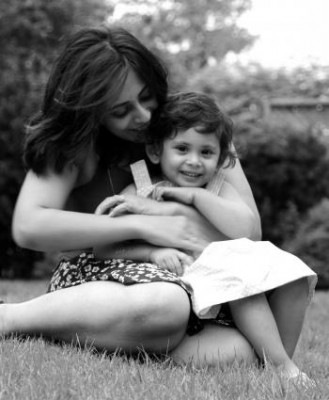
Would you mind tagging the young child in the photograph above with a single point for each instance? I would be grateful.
(193, 139)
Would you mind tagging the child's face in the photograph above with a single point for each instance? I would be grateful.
(190, 158)
(131, 114)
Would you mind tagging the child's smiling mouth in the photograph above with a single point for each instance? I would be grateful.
(191, 174)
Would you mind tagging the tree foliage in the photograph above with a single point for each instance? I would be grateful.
(311, 241)
(289, 174)
(188, 33)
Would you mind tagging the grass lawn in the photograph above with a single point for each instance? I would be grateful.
(32, 368)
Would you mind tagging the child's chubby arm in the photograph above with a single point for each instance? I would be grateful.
(171, 259)
(165, 258)
(227, 212)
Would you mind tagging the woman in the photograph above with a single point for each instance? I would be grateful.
(101, 95)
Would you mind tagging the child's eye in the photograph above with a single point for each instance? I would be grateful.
(207, 152)
(181, 149)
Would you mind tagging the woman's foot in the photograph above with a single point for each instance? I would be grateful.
(3, 309)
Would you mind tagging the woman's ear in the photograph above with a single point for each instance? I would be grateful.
(153, 152)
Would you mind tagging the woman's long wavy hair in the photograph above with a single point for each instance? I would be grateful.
(85, 80)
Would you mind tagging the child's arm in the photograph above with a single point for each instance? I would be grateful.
(165, 258)
(227, 212)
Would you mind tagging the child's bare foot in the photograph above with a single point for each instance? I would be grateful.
(301, 380)
(291, 374)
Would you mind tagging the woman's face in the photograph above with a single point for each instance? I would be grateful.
(130, 115)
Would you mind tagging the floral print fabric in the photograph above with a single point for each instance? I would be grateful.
(87, 268)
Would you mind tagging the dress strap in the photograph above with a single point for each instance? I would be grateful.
(142, 178)
(145, 187)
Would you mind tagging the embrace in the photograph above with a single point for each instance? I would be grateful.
(106, 106)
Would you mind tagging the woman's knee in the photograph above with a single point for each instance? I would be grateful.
(162, 308)
(214, 346)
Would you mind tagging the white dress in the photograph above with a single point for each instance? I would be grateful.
(235, 269)
(232, 269)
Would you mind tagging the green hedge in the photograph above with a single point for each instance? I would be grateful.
(289, 174)
(311, 242)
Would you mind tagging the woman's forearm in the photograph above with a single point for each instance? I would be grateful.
(50, 229)
(57, 230)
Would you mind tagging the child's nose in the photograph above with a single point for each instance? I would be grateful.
(193, 159)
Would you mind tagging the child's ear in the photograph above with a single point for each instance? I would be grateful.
(153, 152)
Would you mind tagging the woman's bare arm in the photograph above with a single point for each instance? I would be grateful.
(41, 224)
(236, 177)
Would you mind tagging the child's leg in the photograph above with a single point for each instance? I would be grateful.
(288, 304)
(255, 320)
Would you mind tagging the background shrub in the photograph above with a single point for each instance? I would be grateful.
(289, 173)
(311, 241)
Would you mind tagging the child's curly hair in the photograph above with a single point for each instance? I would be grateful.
(185, 110)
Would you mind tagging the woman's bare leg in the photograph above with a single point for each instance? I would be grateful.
(288, 304)
(254, 318)
(108, 314)
(214, 345)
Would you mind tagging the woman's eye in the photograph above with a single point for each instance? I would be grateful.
(145, 96)
(119, 113)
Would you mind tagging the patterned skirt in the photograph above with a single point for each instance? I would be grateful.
(87, 268)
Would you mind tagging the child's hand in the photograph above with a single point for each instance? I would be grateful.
(171, 259)
(183, 195)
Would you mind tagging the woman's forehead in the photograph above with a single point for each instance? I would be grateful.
(130, 89)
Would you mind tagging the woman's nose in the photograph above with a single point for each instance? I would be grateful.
(143, 114)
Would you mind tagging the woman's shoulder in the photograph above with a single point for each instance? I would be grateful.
(87, 168)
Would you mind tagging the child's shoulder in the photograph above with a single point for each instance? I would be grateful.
(130, 189)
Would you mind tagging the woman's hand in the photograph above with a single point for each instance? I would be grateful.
(182, 232)
(125, 204)
(171, 260)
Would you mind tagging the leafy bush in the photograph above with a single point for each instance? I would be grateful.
(289, 172)
(311, 241)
